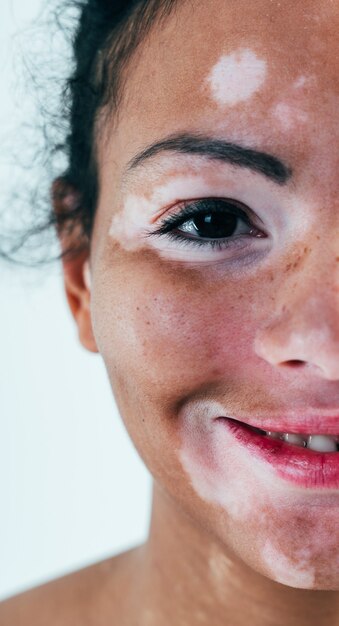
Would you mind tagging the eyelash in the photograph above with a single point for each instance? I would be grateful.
(203, 207)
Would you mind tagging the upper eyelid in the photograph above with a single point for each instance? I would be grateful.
(177, 218)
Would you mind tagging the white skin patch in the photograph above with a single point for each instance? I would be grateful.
(236, 77)
(292, 529)
(300, 82)
(220, 570)
(297, 573)
(138, 211)
(288, 116)
(127, 228)
(216, 464)
(149, 618)
(131, 225)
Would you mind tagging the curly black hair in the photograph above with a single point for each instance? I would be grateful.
(106, 35)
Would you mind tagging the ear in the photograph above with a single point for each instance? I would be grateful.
(77, 288)
(76, 268)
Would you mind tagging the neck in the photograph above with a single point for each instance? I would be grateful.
(189, 578)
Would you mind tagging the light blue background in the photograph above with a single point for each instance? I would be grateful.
(73, 489)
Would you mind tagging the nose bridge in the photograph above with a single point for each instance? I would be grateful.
(304, 325)
(311, 284)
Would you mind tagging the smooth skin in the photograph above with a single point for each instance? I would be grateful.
(255, 330)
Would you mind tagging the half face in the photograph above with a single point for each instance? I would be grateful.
(215, 274)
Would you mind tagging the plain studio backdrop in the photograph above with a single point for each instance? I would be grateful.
(73, 489)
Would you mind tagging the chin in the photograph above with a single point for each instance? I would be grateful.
(309, 579)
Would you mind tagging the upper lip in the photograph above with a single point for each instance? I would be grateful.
(298, 424)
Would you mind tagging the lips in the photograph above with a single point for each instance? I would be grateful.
(316, 424)
(301, 466)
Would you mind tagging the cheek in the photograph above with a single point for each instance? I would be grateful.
(167, 335)
(171, 327)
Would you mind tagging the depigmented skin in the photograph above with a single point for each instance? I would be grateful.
(188, 337)
(236, 77)
(175, 329)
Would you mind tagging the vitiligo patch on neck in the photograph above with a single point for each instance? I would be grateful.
(236, 77)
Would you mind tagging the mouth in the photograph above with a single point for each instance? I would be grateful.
(306, 459)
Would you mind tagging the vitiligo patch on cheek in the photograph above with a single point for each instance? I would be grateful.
(216, 472)
(236, 77)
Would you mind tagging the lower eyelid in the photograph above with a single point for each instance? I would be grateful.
(221, 243)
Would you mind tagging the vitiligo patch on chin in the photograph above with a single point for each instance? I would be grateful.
(236, 77)
(297, 572)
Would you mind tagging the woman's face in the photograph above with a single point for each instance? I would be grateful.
(190, 332)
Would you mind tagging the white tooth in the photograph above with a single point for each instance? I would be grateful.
(273, 435)
(294, 439)
(322, 443)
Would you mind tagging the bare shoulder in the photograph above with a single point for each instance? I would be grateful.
(89, 596)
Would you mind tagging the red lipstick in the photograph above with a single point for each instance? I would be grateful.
(301, 466)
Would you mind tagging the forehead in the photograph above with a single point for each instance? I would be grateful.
(239, 69)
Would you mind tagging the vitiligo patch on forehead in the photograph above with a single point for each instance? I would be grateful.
(236, 77)
(288, 116)
(301, 81)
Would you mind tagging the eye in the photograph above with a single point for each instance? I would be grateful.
(215, 225)
(213, 222)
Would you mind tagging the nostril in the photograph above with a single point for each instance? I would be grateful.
(294, 363)
(309, 367)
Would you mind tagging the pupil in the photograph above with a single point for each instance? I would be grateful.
(216, 225)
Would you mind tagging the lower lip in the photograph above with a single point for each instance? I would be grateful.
(300, 466)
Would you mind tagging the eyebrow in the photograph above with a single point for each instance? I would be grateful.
(216, 150)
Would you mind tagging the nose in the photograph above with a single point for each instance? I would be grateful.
(304, 328)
